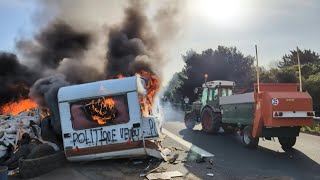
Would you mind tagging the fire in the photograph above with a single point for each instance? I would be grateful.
(101, 110)
(15, 108)
(120, 76)
(152, 87)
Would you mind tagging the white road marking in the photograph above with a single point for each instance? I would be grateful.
(187, 144)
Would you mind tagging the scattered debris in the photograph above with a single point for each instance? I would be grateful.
(138, 162)
(200, 160)
(210, 174)
(14, 172)
(158, 169)
(166, 151)
(20, 137)
(147, 167)
(187, 165)
(173, 159)
(211, 161)
(164, 175)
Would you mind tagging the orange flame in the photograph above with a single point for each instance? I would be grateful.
(152, 87)
(15, 108)
(99, 107)
(120, 76)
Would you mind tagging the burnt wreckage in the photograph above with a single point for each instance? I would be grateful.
(99, 120)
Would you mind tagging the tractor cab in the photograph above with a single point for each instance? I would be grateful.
(209, 94)
(212, 90)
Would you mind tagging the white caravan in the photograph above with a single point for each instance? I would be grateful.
(103, 120)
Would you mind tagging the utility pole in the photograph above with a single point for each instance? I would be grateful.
(299, 69)
(258, 81)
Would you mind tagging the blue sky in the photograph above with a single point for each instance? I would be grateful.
(277, 26)
(15, 18)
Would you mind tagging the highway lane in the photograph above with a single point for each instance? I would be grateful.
(267, 160)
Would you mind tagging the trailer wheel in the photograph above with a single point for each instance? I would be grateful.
(287, 142)
(247, 138)
(189, 120)
(210, 121)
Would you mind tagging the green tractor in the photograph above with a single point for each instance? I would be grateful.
(206, 110)
(271, 110)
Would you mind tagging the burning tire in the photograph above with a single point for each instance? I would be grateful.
(287, 142)
(247, 138)
(189, 120)
(29, 168)
(210, 121)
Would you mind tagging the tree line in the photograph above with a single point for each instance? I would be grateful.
(228, 63)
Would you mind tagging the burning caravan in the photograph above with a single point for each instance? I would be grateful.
(104, 119)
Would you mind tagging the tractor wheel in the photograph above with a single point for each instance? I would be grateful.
(247, 138)
(287, 142)
(211, 121)
(190, 120)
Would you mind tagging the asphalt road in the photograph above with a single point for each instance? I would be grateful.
(268, 160)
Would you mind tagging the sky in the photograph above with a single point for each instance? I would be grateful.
(276, 26)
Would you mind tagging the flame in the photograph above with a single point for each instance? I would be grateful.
(15, 108)
(152, 87)
(120, 76)
(101, 108)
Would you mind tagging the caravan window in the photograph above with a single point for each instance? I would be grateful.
(102, 111)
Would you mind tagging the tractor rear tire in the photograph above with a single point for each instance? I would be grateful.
(210, 121)
(190, 120)
(247, 139)
(287, 142)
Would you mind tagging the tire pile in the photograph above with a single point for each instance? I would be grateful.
(21, 140)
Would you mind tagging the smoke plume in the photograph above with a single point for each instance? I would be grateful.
(44, 92)
(129, 41)
(86, 42)
(15, 78)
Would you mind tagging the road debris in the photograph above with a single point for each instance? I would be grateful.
(210, 174)
(211, 161)
(21, 137)
(138, 162)
(166, 151)
(173, 159)
(200, 160)
(164, 175)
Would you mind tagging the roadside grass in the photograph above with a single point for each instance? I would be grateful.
(314, 129)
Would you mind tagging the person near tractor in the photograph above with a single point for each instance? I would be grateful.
(186, 102)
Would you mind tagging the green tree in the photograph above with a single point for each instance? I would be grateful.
(310, 72)
(306, 56)
(224, 63)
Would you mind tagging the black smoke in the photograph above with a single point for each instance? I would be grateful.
(15, 78)
(132, 43)
(54, 43)
(44, 92)
(65, 46)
